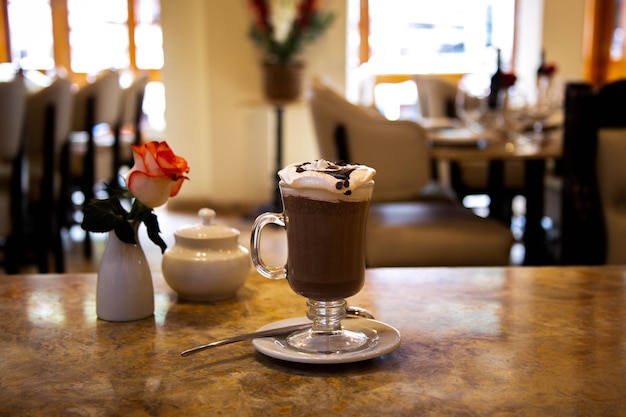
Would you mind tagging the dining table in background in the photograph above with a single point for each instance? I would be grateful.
(455, 144)
(532, 341)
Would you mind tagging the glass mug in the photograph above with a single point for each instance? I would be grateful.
(325, 260)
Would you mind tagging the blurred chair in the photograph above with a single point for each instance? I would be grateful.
(338, 123)
(612, 186)
(48, 121)
(409, 234)
(128, 125)
(404, 218)
(12, 111)
(90, 157)
(590, 113)
(436, 96)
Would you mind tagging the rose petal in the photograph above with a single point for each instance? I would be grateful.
(177, 186)
(151, 163)
(150, 190)
(138, 157)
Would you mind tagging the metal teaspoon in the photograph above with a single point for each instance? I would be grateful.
(351, 311)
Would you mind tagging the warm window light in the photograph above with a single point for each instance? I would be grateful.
(444, 36)
(31, 33)
(98, 35)
(426, 37)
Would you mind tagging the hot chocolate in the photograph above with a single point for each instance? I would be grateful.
(325, 239)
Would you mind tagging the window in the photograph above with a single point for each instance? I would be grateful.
(31, 39)
(399, 38)
(148, 35)
(98, 32)
(444, 36)
(84, 36)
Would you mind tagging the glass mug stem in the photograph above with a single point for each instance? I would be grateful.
(326, 335)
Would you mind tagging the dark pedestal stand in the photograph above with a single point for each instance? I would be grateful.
(277, 202)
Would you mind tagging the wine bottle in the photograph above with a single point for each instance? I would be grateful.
(542, 65)
(496, 83)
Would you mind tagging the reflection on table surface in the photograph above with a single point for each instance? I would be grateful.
(475, 341)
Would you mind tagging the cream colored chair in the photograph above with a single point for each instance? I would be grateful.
(91, 160)
(436, 96)
(95, 104)
(12, 110)
(612, 186)
(407, 226)
(48, 121)
(128, 125)
(402, 162)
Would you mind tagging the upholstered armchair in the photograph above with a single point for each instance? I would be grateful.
(128, 124)
(398, 149)
(612, 186)
(436, 96)
(408, 225)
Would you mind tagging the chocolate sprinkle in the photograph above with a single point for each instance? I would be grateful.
(338, 170)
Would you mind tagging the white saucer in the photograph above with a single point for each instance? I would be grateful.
(388, 340)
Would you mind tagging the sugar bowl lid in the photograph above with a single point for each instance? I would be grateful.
(206, 229)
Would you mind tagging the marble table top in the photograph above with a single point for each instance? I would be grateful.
(516, 341)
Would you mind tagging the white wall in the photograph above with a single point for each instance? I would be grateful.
(215, 114)
(563, 36)
(528, 39)
(556, 26)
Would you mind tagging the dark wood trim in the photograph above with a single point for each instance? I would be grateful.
(61, 35)
(5, 41)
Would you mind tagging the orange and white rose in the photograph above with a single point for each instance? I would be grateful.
(157, 174)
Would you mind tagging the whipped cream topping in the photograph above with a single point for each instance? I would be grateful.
(347, 182)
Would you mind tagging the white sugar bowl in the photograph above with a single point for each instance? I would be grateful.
(206, 262)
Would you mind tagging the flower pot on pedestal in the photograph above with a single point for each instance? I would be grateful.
(282, 82)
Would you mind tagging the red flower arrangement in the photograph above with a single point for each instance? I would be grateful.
(508, 79)
(546, 70)
(283, 27)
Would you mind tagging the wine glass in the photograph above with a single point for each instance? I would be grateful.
(546, 101)
(472, 101)
(514, 103)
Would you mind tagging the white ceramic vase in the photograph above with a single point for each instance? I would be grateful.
(125, 291)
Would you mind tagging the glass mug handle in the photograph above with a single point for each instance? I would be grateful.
(272, 272)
